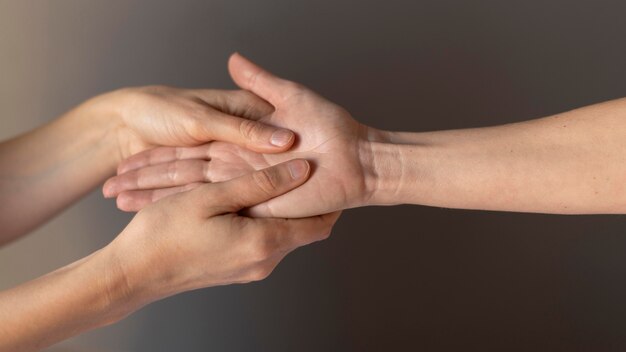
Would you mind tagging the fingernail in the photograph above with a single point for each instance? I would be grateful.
(298, 168)
(281, 138)
(107, 191)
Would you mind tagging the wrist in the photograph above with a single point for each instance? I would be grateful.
(378, 157)
(379, 167)
(125, 283)
(138, 270)
(396, 170)
(102, 115)
(106, 296)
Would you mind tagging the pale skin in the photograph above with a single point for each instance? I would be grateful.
(569, 163)
(60, 162)
(191, 240)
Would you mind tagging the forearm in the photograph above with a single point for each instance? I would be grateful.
(568, 163)
(45, 170)
(81, 296)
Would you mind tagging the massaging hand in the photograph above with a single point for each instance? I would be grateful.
(327, 136)
(196, 239)
(164, 116)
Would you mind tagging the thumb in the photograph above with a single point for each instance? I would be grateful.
(249, 76)
(249, 134)
(254, 188)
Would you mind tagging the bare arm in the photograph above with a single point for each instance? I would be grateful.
(569, 163)
(81, 296)
(191, 240)
(44, 171)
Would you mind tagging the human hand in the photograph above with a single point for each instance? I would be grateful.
(196, 239)
(328, 136)
(165, 116)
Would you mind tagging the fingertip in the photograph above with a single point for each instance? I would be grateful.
(231, 61)
(298, 169)
(108, 189)
(236, 68)
(122, 202)
(234, 56)
(282, 139)
(259, 137)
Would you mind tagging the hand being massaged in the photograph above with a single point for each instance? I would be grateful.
(327, 136)
(190, 162)
(509, 167)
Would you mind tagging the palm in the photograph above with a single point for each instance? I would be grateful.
(327, 136)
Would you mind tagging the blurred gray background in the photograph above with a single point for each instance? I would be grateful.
(402, 278)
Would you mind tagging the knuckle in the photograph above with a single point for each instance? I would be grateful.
(260, 252)
(266, 180)
(134, 180)
(238, 96)
(249, 109)
(195, 122)
(250, 129)
(195, 170)
(326, 234)
(327, 230)
(178, 153)
(124, 202)
(172, 171)
(197, 130)
(260, 249)
(206, 171)
(260, 273)
(253, 79)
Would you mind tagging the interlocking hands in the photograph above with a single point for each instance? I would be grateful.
(221, 182)
(327, 136)
(196, 239)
